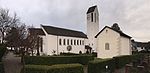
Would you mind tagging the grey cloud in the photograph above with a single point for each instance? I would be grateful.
(132, 16)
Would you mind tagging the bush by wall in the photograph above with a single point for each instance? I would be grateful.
(51, 60)
(121, 61)
(2, 51)
(68, 54)
(101, 66)
(94, 54)
(62, 68)
(1, 68)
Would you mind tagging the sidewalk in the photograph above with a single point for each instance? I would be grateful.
(12, 64)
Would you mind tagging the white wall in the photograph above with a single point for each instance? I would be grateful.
(92, 29)
(125, 46)
(51, 43)
(75, 48)
(111, 37)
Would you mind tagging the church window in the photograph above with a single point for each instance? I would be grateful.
(106, 31)
(95, 17)
(141, 47)
(91, 17)
(41, 44)
(74, 42)
(107, 46)
(82, 42)
(67, 41)
(59, 41)
(71, 41)
(64, 42)
(77, 42)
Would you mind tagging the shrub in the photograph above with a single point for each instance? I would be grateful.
(62, 68)
(51, 60)
(94, 54)
(2, 51)
(68, 54)
(1, 68)
(99, 66)
(121, 61)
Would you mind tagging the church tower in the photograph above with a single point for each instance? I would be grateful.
(92, 26)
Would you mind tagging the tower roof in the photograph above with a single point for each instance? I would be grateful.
(91, 9)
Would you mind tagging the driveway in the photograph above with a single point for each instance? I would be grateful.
(12, 64)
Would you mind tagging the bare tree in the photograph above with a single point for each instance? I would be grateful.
(7, 21)
(34, 41)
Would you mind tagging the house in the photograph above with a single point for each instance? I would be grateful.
(140, 46)
(112, 42)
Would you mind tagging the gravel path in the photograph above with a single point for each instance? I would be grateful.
(12, 64)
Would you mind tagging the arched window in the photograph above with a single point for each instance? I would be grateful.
(107, 46)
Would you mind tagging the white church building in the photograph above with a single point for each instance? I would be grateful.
(107, 43)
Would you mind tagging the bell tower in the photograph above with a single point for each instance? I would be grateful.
(92, 26)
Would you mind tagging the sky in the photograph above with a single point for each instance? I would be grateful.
(133, 16)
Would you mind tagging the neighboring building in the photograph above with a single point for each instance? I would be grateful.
(139, 46)
(112, 42)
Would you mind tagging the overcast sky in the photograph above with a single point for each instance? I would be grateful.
(133, 16)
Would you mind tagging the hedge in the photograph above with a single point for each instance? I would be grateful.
(99, 66)
(1, 68)
(121, 61)
(51, 60)
(62, 68)
(68, 54)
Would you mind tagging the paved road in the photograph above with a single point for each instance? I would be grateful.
(12, 64)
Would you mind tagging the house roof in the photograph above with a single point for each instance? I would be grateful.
(91, 9)
(63, 32)
(38, 31)
(141, 44)
(120, 32)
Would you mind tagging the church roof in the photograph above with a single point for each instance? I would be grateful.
(120, 32)
(91, 9)
(63, 32)
(37, 31)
